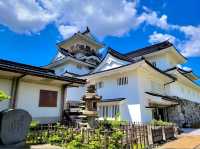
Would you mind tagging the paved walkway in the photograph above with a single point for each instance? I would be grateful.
(190, 139)
(44, 146)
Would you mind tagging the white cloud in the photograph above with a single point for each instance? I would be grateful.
(152, 18)
(113, 17)
(67, 31)
(160, 37)
(23, 16)
(191, 45)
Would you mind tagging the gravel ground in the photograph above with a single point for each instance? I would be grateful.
(190, 139)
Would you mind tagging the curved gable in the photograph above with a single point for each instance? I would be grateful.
(110, 62)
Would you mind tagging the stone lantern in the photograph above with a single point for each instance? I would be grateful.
(90, 100)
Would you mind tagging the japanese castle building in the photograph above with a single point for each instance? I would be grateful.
(141, 85)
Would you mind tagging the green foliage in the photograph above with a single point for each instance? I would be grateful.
(70, 138)
(34, 124)
(94, 144)
(110, 124)
(138, 146)
(55, 139)
(160, 123)
(114, 142)
(76, 143)
(3, 96)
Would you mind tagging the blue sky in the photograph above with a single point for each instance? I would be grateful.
(29, 30)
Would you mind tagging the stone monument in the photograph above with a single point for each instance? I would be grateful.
(14, 126)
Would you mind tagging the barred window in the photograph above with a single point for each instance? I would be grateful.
(122, 81)
(109, 111)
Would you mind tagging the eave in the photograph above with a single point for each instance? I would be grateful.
(185, 79)
(68, 58)
(80, 36)
(130, 66)
(156, 48)
(18, 69)
(188, 74)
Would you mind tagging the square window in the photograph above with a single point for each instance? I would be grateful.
(48, 98)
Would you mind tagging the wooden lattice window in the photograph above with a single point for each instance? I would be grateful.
(48, 98)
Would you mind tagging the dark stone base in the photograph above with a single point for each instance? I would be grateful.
(21, 145)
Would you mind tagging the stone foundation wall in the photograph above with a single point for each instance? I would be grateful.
(186, 114)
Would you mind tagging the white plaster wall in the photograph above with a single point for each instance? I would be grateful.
(144, 85)
(124, 112)
(181, 90)
(28, 99)
(111, 90)
(163, 61)
(75, 93)
(5, 85)
(145, 79)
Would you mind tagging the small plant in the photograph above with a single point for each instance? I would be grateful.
(76, 142)
(34, 124)
(114, 143)
(3, 96)
(160, 123)
(55, 139)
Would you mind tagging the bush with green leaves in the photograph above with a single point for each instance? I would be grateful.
(55, 139)
(160, 123)
(34, 124)
(114, 140)
(3, 96)
(76, 142)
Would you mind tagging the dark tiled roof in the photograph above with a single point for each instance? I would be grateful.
(113, 100)
(183, 71)
(86, 31)
(149, 49)
(169, 98)
(25, 69)
(170, 69)
(119, 55)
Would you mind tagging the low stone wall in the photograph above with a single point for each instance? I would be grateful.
(186, 114)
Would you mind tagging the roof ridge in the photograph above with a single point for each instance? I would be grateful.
(12, 63)
(149, 49)
(118, 54)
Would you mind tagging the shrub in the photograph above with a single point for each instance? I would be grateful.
(115, 137)
(3, 96)
(160, 123)
(34, 124)
(55, 139)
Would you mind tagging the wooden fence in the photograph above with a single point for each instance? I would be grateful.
(134, 136)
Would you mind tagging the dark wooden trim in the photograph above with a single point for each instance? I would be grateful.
(151, 49)
(63, 89)
(14, 91)
(35, 71)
